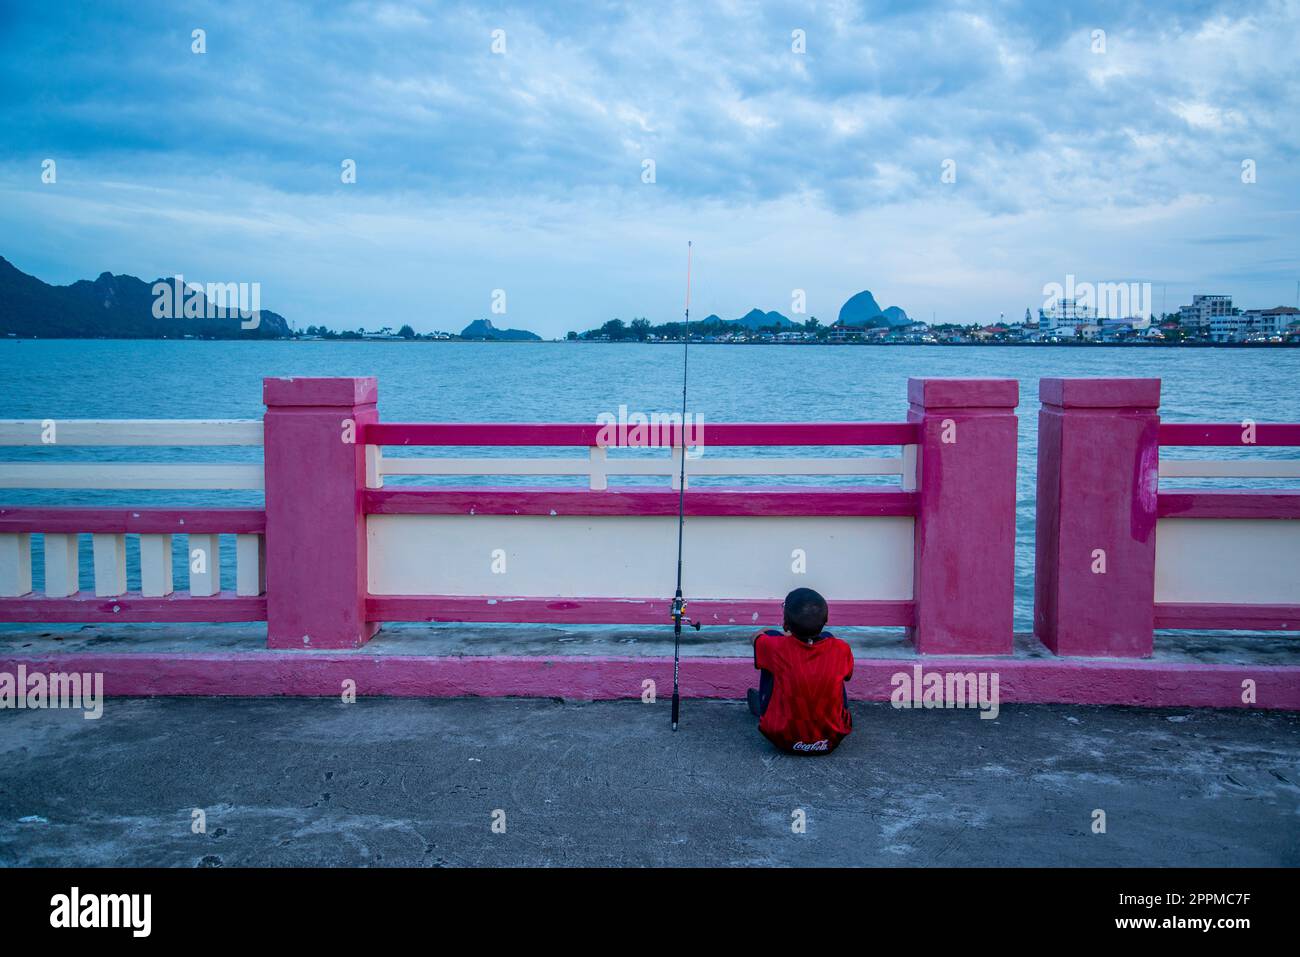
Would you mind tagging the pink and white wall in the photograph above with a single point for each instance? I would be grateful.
(335, 552)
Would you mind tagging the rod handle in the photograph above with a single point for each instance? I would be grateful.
(677, 707)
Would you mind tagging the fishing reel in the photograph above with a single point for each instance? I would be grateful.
(678, 616)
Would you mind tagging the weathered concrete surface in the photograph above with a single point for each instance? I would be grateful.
(422, 638)
(415, 782)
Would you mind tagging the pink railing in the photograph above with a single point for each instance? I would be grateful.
(960, 494)
(1269, 504)
(127, 606)
(329, 556)
(1101, 517)
(743, 501)
(323, 471)
(1100, 559)
(63, 530)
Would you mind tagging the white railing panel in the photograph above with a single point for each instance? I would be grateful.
(603, 465)
(156, 566)
(62, 565)
(797, 466)
(250, 565)
(599, 457)
(850, 557)
(110, 564)
(205, 565)
(1230, 468)
(135, 475)
(15, 564)
(909, 468)
(129, 432)
(374, 466)
(1227, 561)
(484, 466)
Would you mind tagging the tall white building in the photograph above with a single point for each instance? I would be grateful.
(1204, 310)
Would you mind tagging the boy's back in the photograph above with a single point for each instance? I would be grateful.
(808, 708)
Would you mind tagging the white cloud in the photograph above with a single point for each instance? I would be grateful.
(817, 171)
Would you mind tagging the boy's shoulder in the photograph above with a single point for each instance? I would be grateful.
(826, 635)
(767, 640)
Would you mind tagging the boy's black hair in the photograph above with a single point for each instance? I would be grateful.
(805, 613)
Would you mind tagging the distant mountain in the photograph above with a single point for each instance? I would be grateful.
(712, 317)
(861, 311)
(758, 319)
(483, 329)
(112, 307)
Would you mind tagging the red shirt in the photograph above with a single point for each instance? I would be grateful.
(807, 712)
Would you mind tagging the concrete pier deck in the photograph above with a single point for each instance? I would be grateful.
(415, 782)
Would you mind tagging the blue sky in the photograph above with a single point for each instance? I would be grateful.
(523, 170)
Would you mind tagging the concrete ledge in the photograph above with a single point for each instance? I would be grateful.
(957, 393)
(592, 662)
(1100, 393)
(596, 677)
(320, 391)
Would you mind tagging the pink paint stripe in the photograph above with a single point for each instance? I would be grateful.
(322, 674)
(621, 611)
(1229, 503)
(633, 501)
(586, 434)
(1182, 433)
(132, 607)
(1221, 616)
(151, 521)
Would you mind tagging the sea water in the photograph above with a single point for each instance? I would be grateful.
(579, 382)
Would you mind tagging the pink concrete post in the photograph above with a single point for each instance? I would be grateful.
(964, 581)
(1098, 456)
(315, 525)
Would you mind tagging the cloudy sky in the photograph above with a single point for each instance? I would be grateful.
(520, 163)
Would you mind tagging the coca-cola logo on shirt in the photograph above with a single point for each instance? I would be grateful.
(822, 745)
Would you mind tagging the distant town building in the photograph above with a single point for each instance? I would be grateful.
(1200, 315)
(1226, 328)
(1268, 323)
(1065, 316)
(1118, 330)
(1253, 324)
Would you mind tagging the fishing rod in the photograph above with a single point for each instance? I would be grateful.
(679, 603)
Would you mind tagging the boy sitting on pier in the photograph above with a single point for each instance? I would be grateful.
(801, 701)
